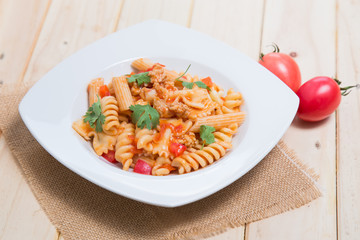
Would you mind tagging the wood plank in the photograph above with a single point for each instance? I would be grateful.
(296, 27)
(137, 11)
(70, 25)
(228, 21)
(18, 36)
(237, 23)
(348, 59)
(20, 214)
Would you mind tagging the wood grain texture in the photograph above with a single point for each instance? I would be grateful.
(18, 38)
(296, 27)
(136, 11)
(20, 214)
(237, 23)
(348, 59)
(70, 25)
(18, 35)
(48, 31)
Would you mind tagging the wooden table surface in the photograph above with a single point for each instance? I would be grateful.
(322, 35)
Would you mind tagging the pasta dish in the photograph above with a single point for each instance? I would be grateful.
(158, 121)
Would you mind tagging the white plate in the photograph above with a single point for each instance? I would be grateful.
(60, 98)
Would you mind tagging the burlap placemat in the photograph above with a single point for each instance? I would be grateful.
(82, 210)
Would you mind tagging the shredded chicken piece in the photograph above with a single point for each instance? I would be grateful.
(148, 94)
(163, 109)
(135, 90)
(157, 74)
(189, 140)
(181, 110)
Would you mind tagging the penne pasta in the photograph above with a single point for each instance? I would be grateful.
(218, 121)
(122, 93)
(142, 64)
(93, 90)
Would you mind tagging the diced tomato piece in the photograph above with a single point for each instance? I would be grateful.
(178, 128)
(177, 148)
(207, 81)
(110, 156)
(150, 69)
(104, 91)
(142, 167)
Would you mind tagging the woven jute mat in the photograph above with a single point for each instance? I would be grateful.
(82, 210)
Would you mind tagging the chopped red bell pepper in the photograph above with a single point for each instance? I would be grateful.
(110, 156)
(104, 91)
(142, 167)
(207, 81)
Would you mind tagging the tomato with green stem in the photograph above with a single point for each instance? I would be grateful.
(282, 66)
(319, 97)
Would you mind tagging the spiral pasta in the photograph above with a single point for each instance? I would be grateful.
(124, 149)
(200, 158)
(162, 167)
(110, 110)
(144, 139)
(225, 134)
(232, 102)
(161, 147)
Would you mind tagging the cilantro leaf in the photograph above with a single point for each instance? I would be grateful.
(188, 85)
(200, 84)
(144, 115)
(140, 78)
(206, 134)
(94, 116)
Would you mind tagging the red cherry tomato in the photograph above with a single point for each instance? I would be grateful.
(282, 66)
(110, 156)
(177, 148)
(319, 97)
(142, 167)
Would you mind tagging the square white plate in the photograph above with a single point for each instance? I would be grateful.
(60, 97)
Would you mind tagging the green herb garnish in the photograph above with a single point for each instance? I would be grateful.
(94, 116)
(140, 78)
(144, 115)
(206, 134)
(200, 84)
(190, 85)
(178, 79)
